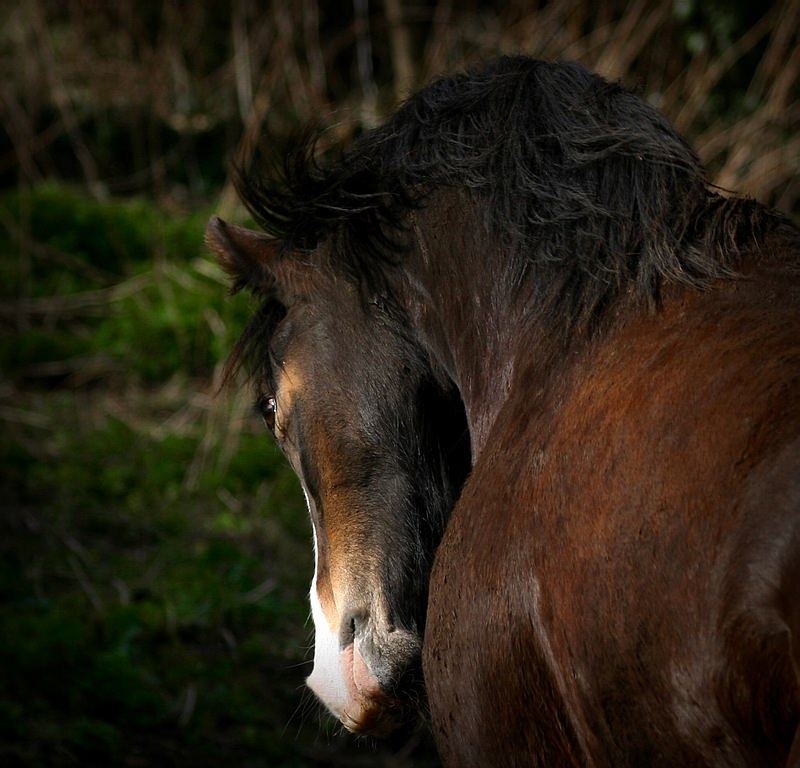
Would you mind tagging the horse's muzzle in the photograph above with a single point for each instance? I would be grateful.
(368, 684)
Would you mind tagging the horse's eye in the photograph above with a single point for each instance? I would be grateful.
(267, 407)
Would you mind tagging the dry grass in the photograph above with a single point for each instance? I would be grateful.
(263, 68)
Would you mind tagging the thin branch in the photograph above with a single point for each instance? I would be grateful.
(401, 50)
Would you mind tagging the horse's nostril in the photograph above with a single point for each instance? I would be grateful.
(351, 626)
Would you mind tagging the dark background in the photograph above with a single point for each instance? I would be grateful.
(155, 550)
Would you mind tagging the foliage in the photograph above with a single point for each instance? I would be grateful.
(134, 607)
(117, 283)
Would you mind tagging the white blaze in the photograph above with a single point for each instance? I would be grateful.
(327, 678)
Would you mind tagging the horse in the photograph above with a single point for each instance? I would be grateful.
(539, 381)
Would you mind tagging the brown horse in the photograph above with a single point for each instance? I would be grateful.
(529, 255)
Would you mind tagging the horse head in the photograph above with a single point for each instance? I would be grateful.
(377, 437)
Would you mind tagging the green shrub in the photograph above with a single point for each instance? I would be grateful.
(111, 287)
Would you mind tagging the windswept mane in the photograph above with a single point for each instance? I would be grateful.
(584, 186)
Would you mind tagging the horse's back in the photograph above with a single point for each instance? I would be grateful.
(625, 557)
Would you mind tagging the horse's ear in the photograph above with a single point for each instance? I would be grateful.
(253, 259)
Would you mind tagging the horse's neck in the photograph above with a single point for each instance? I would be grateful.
(466, 313)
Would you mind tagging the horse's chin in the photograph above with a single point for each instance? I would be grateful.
(354, 695)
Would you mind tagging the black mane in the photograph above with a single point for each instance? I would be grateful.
(583, 185)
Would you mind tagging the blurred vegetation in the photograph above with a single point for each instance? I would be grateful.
(153, 96)
(154, 548)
